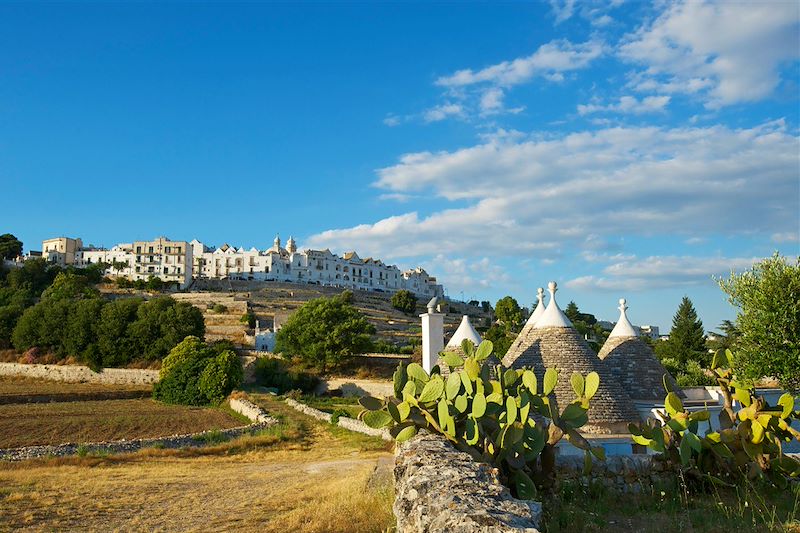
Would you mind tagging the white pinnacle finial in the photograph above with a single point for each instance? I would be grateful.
(553, 316)
(539, 311)
(624, 328)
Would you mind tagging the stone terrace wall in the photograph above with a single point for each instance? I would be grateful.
(81, 374)
(628, 474)
(440, 489)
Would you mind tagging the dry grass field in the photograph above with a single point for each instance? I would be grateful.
(302, 475)
(36, 412)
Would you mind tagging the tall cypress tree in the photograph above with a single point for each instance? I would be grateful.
(687, 339)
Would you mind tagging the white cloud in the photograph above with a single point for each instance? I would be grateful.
(552, 58)
(468, 274)
(786, 236)
(534, 195)
(628, 104)
(392, 120)
(657, 272)
(730, 52)
(563, 9)
(441, 112)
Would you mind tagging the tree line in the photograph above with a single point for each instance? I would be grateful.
(59, 310)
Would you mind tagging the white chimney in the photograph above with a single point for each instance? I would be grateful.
(432, 335)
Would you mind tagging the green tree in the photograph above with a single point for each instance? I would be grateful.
(500, 337)
(9, 315)
(82, 325)
(768, 320)
(508, 312)
(161, 324)
(154, 283)
(10, 246)
(405, 301)
(69, 286)
(35, 275)
(324, 332)
(115, 343)
(687, 340)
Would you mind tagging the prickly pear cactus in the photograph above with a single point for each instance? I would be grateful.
(509, 420)
(748, 444)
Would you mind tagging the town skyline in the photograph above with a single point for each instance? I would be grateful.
(622, 150)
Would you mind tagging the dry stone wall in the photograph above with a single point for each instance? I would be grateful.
(81, 374)
(439, 489)
(348, 423)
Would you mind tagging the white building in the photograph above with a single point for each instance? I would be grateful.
(180, 261)
(319, 267)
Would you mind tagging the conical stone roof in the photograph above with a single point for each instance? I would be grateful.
(527, 336)
(633, 363)
(554, 343)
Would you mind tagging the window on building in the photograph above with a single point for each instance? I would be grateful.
(150, 250)
(168, 249)
(138, 249)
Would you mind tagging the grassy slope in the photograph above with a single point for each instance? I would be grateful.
(299, 476)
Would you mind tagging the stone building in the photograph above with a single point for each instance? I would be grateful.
(61, 250)
(552, 342)
(633, 363)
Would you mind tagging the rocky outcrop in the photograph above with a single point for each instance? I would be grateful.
(440, 489)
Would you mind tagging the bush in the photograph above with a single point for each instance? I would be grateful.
(248, 318)
(404, 301)
(273, 374)
(693, 376)
(196, 374)
(219, 308)
(222, 374)
(124, 283)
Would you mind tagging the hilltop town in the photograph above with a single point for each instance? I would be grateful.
(181, 262)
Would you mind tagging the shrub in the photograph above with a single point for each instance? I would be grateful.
(248, 318)
(154, 283)
(272, 373)
(404, 301)
(693, 376)
(186, 350)
(219, 308)
(196, 374)
(337, 414)
(221, 375)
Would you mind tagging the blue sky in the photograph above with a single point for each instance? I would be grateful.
(622, 148)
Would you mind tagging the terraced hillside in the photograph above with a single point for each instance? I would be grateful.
(271, 301)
